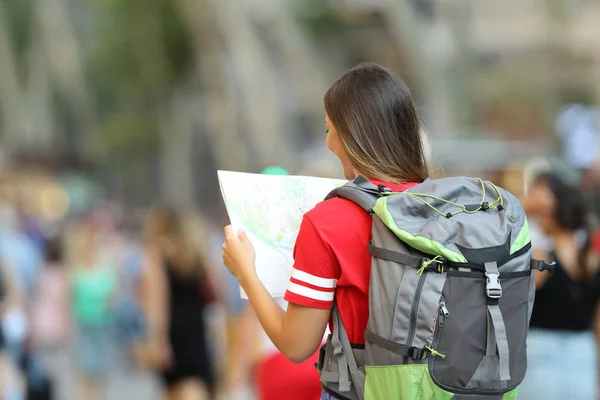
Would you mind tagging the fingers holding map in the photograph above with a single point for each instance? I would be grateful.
(270, 208)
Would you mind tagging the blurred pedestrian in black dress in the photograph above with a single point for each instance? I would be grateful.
(177, 290)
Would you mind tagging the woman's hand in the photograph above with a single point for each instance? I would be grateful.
(238, 254)
(163, 353)
(155, 353)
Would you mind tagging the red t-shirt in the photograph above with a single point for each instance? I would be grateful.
(331, 258)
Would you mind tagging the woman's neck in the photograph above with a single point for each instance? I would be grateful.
(386, 179)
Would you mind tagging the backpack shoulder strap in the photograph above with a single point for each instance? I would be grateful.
(346, 360)
(360, 191)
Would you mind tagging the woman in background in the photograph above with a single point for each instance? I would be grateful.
(93, 285)
(564, 328)
(130, 320)
(51, 309)
(178, 288)
(12, 384)
(51, 319)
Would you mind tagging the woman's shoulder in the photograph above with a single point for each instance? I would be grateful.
(336, 208)
(339, 207)
(338, 218)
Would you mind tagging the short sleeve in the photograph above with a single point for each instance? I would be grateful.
(316, 270)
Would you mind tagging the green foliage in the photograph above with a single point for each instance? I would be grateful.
(143, 49)
(18, 15)
(142, 55)
(129, 133)
(321, 19)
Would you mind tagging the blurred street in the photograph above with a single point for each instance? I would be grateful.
(120, 384)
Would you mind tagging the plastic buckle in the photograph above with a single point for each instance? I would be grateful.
(321, 361)
(384, 189)
(542, 265)
(415, 353)
(550, 267)
(493, 288)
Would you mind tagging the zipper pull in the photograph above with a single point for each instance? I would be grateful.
(444, 309)
(434, 353)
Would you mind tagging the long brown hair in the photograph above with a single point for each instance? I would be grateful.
(181, 241)
(375, 117)
(572, 214)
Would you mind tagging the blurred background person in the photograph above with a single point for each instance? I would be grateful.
(51, 321)
(130, 321)
(233, 307)
(2, 304)
(21, 262)
(178, 289)
(94, 282)
(12, 382)
(24, 258)
(565, 325)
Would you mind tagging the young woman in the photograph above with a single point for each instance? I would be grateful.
(51, 306)
(12, 384)
(93, 284)
(373, 129)
(565, 327)
(177, 289)
(51, 320)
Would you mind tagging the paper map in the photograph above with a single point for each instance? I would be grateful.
(270, 208)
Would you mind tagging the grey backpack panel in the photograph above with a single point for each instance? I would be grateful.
(385, 286)
(492, 227)
(391, 316)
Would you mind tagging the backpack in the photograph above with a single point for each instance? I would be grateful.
(450, 296)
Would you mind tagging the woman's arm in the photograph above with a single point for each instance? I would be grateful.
(212, 291)
(14, 288)
(540, 276)
(155, 304)
(596, 325)
(155, 294)
(298, 332)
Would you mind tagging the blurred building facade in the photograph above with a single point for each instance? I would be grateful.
(153, 97)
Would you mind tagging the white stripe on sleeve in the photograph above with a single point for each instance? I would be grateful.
(310, 293)
(305, 277)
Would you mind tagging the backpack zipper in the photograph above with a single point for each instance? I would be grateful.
(415, 307)
(444, 309)
(443, 313)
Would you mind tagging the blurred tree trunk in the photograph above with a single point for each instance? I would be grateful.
(308, 75)
(39, 103)
(62, 49)
(411, 32)
(12, 118)
(462, 69)
(218, 110)
(260, 112)
(176, 152)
